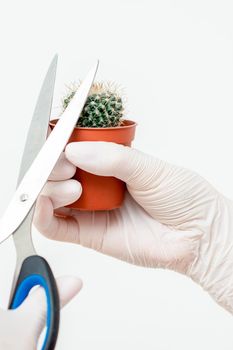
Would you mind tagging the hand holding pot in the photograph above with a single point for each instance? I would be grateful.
(171, 217)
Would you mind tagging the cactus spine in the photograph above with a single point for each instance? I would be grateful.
(103, 108)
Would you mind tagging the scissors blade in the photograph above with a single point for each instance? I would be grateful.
(37, 175)
(35, 139)
(39, 125)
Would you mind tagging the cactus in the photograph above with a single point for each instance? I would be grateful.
(103, 108)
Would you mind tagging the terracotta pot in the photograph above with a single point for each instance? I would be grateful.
(101, 192)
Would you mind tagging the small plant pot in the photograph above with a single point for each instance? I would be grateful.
(101, 192)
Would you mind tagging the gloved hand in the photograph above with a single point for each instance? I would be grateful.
(171, 217)
(20, 328)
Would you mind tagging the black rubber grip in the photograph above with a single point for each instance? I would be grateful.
(36, 271)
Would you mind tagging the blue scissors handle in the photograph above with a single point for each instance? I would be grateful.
(35, 271)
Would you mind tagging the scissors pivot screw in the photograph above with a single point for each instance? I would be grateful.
(24, 197)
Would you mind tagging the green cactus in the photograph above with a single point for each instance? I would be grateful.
(103, 108)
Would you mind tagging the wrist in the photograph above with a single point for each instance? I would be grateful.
(213, 266)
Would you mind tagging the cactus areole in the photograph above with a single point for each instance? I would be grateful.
(103, 108)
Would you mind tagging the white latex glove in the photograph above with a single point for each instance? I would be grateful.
(171, 217)
(20, 328)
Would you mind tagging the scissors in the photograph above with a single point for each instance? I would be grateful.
(39, 158)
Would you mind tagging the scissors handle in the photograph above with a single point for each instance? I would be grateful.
(35, 271)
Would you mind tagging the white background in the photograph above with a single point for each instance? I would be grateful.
(175, 61)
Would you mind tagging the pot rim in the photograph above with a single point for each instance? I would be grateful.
(132, 123)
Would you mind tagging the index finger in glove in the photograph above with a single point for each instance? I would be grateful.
(63, 169)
